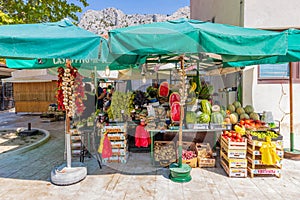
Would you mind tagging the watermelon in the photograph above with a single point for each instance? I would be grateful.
(216, 118)
(204, 118)
(164, 89)
(175, 112)
(249, 109)
(174, 97)
(206, 106)
(237, 104)
(231, 108)
(223, 113)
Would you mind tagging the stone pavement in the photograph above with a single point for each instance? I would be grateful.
(27, 175)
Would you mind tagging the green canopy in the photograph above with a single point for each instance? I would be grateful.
(293, 54)
(48, 40)
(192, 36)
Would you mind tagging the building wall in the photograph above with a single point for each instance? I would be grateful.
(266, 14)
(271, 13)
(222, 11)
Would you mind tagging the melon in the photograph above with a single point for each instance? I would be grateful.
(216, 118)
(254, 116)
(244, 116)
(206, 106)
(215, 108)
(240, 111)
(237, 104)
(174, 97)
(164, 89)
(233, 118)
(231, 108)
(249, 109)
(204, 118)
(175, 112)
(227, 120)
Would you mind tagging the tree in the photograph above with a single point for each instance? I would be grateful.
(36, 11)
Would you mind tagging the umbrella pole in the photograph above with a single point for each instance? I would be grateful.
(291, 153)
(181, 115)
(68, 140)
(291, 109)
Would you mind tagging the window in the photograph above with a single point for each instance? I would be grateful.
(278, 73)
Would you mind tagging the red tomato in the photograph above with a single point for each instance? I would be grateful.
(234, 134)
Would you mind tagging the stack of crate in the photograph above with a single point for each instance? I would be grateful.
(118, 139)
(76, 143)
(255, 165)
(233, 157)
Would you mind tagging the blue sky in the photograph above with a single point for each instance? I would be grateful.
(138, 6)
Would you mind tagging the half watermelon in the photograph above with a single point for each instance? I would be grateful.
(174, 97)
(175, 112)
(164, 89)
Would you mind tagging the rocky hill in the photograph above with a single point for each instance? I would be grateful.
(100, 22)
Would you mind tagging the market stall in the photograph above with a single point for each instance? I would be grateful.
(34, 90)
(134, 46)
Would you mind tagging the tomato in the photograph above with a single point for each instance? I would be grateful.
(234, 134)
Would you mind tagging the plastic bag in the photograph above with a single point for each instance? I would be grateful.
(101, 145)
(142, 137)
(107, 150)
(268, 152)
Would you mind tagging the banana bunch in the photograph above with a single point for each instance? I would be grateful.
(193, 87)
(240, 130)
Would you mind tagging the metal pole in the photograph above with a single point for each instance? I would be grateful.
(68, 140)
(181, 115)
(291, 109)
(2, 107)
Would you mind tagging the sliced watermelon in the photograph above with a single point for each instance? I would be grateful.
(175, 112)
(174, 97)
(164, 89)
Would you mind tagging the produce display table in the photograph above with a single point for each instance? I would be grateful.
(153, 132)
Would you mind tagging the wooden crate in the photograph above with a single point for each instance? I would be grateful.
(234, 153)
(269, 171)
(203, 150)
(191, 162)
(234, 172)
(233, 145)
(234, 163)
(116, 159)
(164, 153)
(258, 143)
(206, 162)
(116, 136)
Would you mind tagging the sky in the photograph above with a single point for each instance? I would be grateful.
(137, 6)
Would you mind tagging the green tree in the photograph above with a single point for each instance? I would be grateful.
(36, 11)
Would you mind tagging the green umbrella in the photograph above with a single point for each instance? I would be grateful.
(191, 36)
